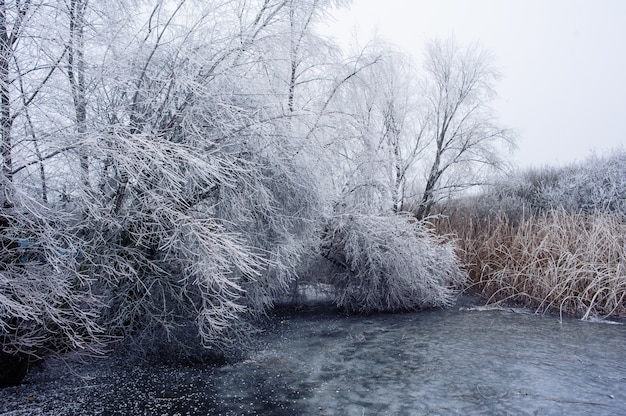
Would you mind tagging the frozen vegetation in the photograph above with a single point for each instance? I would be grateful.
(389, 264)
(550, 239)
(171, 171)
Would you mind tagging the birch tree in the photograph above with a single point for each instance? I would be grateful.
(462, 130)
(12, 20)
(382, 139)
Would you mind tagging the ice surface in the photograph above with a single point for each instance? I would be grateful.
(459, 361)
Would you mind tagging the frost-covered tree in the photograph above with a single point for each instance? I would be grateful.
(460, 124)
(384, 260)
(155, 189)
(200, 208)
(598, 184)
(47, 306)
(387, 137)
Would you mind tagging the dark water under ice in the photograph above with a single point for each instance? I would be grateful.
(443, 362)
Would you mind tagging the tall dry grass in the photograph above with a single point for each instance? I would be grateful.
(572, 263)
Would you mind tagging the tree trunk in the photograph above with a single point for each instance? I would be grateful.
(5, 104)
(427, 201)
(76, 75)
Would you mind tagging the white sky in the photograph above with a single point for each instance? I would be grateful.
(563, 63)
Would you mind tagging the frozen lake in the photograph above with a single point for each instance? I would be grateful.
(459, 361)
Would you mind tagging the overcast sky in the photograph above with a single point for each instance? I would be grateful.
(563, 63)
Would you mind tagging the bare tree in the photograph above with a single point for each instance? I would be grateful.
(399, 135)
(384, 260)
(382, 138)
(461, 126)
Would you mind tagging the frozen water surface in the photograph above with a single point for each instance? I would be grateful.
(458, 361)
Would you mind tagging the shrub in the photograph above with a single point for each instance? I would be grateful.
(183, 240)
(389, 263)
(598, 184)
(47, 307)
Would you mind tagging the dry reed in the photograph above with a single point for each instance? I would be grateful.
(572, 263)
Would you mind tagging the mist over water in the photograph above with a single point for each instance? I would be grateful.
(457, 361)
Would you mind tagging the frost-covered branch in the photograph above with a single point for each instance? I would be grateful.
(390, 263)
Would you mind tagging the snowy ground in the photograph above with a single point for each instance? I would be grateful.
(460, 361)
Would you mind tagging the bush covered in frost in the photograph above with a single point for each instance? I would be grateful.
(47, 306)
(597, 184)
(389, 263)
